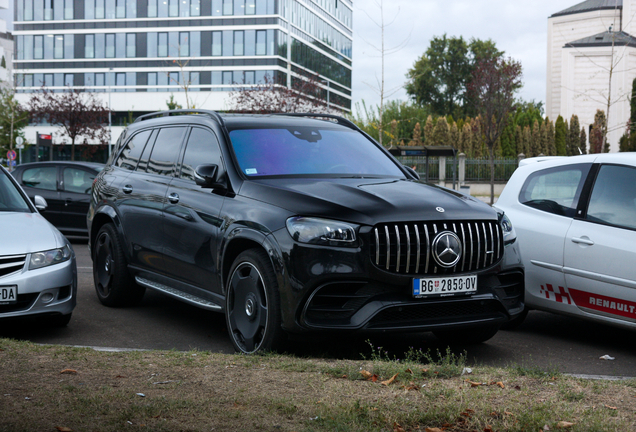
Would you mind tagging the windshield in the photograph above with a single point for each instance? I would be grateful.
(11, 200)
(309, 151)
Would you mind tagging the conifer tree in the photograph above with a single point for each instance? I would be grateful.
(560, 133)
(535, 139)
(429, 126)
(551, 144)
(583, 141)
(632, 118)
(527, 137)
(573, 136)
(441, 132)
(417, 136)
(543, 133)
(519, 140)
(465, 140)
(454, 136)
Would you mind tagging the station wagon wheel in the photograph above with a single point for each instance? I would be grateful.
(113, 284)
(252, 304)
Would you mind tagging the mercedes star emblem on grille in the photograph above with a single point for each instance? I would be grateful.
(447, 249)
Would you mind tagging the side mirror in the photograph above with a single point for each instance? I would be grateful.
(206, 176)
(40, 203)
(411, 171)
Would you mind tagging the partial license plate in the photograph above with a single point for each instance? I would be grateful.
(8, 294)
(443, 286)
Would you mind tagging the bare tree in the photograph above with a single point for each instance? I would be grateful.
(305, 95)
(382, 51)
(492, 88)
(77, 113)
(13, 118)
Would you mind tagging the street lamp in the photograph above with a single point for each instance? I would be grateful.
(110, 124)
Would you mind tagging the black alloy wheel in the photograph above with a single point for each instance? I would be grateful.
(113, 284)
(253, 305)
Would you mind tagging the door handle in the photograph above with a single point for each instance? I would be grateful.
(127, 189)
(173, 198)
(582, 240)
(67, 202)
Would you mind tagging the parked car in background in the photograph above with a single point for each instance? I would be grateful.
(575, 219)
(294, 224)
(38, 274)
(65, 186)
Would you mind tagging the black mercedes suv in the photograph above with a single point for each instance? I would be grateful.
(295, 223)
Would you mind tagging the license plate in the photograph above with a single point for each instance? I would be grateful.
(444, 286)
(8, 294)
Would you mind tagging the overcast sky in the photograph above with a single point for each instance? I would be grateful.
(518, 27)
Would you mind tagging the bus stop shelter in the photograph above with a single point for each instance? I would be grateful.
(428, 151)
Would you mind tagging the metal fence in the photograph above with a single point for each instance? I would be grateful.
(476, 170)
(479, 169)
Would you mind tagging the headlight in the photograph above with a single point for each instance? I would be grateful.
(49, 257)
(508, 230)
(321, 231)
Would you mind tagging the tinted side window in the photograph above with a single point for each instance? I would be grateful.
(40, 178)
(77, 180)
(555, 190)
(164, 153)
(613, 199)
(202, 148)
(130, 155)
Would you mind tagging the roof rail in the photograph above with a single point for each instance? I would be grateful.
(212, 114)
(341, 120)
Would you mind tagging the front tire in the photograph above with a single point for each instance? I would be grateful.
(467, 336)
(113, 284)
(252, 304)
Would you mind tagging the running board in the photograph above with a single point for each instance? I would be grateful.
(180, 295)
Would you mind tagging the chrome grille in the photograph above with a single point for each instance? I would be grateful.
(406, 248)
(11, 263)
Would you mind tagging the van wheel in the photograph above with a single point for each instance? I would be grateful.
(252, 304)
(113, 284)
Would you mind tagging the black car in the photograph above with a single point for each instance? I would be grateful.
(65, 186)
(295, 223)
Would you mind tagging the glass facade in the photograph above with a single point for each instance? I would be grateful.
(201, 45)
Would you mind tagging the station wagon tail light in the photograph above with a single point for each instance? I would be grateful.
(321, 231)
(49, 257)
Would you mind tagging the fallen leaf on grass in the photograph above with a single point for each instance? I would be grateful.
(390, 380)
(611, 407)
(473, 384)
(69, 371)
(564, 425)
(488, 428)
(398, 428)
(411, 386)
(63, 429)
(369, 376)
(500, 384)
(433, 430)
(409, 371)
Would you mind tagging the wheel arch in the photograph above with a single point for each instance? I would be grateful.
(104, 215)
(242, 239)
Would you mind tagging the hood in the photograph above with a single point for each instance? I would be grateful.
(26, 233)
(367, 201)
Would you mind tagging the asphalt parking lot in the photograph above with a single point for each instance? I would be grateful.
(544, 341)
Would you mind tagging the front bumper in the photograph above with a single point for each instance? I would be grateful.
(340, 289)
(50, 290)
